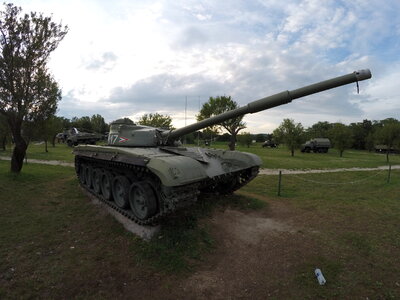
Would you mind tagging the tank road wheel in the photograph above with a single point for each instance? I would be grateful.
(96, 177)
(88, 173)
(143, 200)
(120, 191)
(105, 185)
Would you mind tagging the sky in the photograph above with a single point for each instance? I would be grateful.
(126, 58)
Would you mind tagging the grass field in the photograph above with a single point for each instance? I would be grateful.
(272, 158)
(355, 220)
(56, 244)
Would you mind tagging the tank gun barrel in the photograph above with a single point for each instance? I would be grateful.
(271, 101)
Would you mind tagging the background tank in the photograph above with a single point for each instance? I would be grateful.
(73, 137)
(145, 174)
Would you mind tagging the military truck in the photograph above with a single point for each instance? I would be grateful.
(75, 137)
(269, 143)
(317, 145)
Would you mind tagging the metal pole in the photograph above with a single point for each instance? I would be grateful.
(390, 169)
(279, 184)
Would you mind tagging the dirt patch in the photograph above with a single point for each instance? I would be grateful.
(249, 228)
(254, 253)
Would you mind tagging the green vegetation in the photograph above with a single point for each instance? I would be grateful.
(60, 152)
(51, 232)
(279, 158)
(352, 221)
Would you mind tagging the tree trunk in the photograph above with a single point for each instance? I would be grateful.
(292, 151)
(232, 143)
(341, 153)
(20, 146)
(4, 143)
(387, 155)
(53, 141)
(45, 146)
(19, 152)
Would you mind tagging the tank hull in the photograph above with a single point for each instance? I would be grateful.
(146, 184)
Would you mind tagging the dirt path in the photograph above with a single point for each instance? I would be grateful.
(44, 162)
(262, 171)
(288, 171)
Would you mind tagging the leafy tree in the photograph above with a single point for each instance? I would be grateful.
(341, 136)
(83, 123)
(319, 130)
(290, 134)
(369, 141)
(360, 132)
(49, 130)
(219, 105)
(262, 137)
(389, 134)
(245, 138)
(27, 90)
(156, 120)
(98, 124)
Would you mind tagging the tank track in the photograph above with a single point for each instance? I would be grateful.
(171, 198)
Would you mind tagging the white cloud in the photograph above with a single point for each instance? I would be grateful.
(125, 57)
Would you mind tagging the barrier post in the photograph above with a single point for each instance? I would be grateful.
(390, 170)
(279, 183)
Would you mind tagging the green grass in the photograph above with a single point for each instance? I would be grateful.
(55, 242)
(353, 220)
(60, 152)
(280, 158)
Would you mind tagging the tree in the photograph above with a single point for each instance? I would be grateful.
(341, 136)
(290, 134)
(27, 91)
(389, 134)
(98, 124)
(83, 123)
(318, 130)
(49, 130)
(245, 138)
(156, 120)
(219, 105)
(360, 132)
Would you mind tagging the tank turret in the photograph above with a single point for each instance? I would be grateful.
(125, 133)
(146, 175)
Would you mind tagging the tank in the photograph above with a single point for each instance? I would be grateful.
(146, 174)
(73, 137)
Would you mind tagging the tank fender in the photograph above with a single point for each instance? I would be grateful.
(177, 170)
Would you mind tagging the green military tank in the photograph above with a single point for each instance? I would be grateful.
(145, 174)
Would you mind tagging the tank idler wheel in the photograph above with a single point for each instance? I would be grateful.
(88, 176)
(96, 177)
(143, 200)
(120, 191)
(105, 185)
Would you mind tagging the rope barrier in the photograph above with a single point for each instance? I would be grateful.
(338, 183)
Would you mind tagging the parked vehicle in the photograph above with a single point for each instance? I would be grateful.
(317, 145)
(271, 144)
